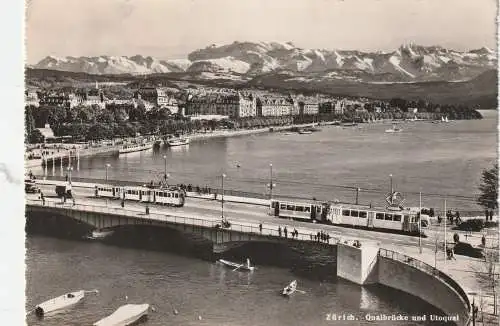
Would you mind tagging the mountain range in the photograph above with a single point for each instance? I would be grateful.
(247, 61)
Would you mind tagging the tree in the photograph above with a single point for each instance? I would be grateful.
(36, 137)
(489, 188)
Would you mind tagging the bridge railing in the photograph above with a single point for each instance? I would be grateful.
(427, 269)
(140, 213)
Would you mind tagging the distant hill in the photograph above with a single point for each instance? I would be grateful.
(481, 90)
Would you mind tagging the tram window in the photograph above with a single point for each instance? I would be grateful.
(307, 209)
(354, 213)
(169, 195)
(283, 206)
(397, 218)
(290, 207)
(406, 217)
(379, 216)
(176, 195)
(345, 212)
(299, 208)
(318, 209)
(362, 214)
(388, 217)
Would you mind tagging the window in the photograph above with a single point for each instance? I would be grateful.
(407, 217)
(345, 212)
(354, 213)
(397, 218)
(283, 206)
(388, 217)
(307, 209)
(379, 216)
(299, 208)
(290, 207)
(362, 214)
(318, 209)
(176, 195)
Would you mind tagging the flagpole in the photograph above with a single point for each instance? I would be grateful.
(420, 223)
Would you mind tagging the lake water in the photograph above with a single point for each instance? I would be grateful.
(436, 159)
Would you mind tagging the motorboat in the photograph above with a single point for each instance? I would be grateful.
(290, 288)
(393, 130)
(60, 303)
(130, 148)
(236, 266)
(100, 234)
(125, 315)
(178, 141)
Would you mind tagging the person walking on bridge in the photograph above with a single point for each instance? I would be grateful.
(279, 231)
(260, 227)
(285, 231)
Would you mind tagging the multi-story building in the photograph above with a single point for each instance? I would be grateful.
(61, 99)
(275, 106)
(31, 98)
(233, 105)
(159, 97)
(91, 97)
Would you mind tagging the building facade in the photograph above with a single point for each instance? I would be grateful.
(275, 106)
(233, 105)
(31, 98)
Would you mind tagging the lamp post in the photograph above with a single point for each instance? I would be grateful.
(420, 223)
(445, 218)
(165, 158)
(390, 176)
(222, 201)
(270, 181)
(107, 166)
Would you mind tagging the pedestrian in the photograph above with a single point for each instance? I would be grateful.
(43, 198)
(483, 241)
(491, 215)
(260, 227)
(318, 236)
(486, 213)
(285, 231)
(295, 233)
(279, 231)
(73, 198)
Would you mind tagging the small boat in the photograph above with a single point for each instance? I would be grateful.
(135, 148)
(236, 266)
(125, 315)
(305, 132)
(100, 234)
(290, 288)
(394, 129)
(178, 141)
(60, 303)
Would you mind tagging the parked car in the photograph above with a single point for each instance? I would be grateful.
(466, 249)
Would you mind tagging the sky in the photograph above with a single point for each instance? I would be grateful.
(171, 29)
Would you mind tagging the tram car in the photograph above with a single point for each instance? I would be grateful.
(163, 196)
(344, 215)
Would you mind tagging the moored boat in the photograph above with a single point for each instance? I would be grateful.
(305, 132)
(236, 266)
(60, 303)
(130, 148)
(178, 141)
(125, 315)
(290, 288)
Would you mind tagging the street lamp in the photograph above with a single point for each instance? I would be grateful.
(270, 181)
(420, 223)
(390, 176)
(107, 166)
(165, 158)
(222, 202)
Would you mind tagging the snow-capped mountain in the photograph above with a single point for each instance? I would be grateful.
(410, 62)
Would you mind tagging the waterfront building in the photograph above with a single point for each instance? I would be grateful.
(233, 105)
(275, 106)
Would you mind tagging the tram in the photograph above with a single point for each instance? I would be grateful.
(163, 196)
(403, 220)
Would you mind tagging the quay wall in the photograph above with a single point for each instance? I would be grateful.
(432, 286)
(358, 265)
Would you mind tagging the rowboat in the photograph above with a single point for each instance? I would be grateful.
(236, 266)
(393, 129)
(290, 288)
(100, 234)
(305, 132)
(60, 303)
(125, 315)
